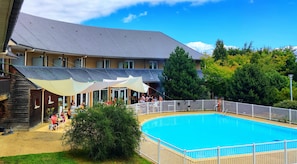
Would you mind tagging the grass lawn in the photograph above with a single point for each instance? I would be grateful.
(65, 158)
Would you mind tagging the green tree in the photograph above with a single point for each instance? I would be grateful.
(216, 77)
(275, 65)
(283, 60)
(247, 48)
(180, 78)
(220, 52)
(277, 83)
(236, 51)
(251, 84)
(233, 51)
(104, 132)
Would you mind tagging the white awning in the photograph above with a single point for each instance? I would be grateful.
(69, 87)
(133, 83)
(66, 87)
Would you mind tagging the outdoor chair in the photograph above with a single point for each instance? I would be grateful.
(52, 126)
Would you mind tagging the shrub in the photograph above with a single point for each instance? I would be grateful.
(286, 104)
(125, 130)
(104, 132)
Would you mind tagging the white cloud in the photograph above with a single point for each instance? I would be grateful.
(229, 47)
(201, 47)
(201, 2)
(77, 11)
(204, 47)
(131, 17)
(143, 14)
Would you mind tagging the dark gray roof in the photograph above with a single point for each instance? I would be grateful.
(89, 74)
(86, 74)
(50, 35)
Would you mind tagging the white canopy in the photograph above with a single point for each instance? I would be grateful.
(69, 87)
(66, 87)
(99, 85)
(134, 83)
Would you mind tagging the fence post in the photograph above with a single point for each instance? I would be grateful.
(223, 105)
(254, 153)
(236, 107)
(218, 155)
(161, 106)
(159, 150)
(189, 105)
(216, 103)
(270, 114)
(252, 110)
(202, 105)
(147, 108)
(185, 159)
(174, 107)
(285, 151)
(290, 116)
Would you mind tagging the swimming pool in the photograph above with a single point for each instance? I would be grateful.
(198, 131)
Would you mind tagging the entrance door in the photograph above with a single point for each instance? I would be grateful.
(119, 94)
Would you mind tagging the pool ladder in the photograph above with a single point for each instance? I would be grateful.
(225, 111)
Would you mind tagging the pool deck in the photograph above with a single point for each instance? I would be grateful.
(37, 140)
(42, 140)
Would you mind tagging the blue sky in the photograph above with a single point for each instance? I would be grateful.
(196, 23)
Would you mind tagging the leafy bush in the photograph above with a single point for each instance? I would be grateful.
(286, 104)
(104, 132)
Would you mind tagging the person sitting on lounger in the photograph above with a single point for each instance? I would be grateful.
(54, 121)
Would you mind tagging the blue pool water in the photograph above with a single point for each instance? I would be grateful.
(198, 131)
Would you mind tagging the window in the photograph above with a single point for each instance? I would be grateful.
(78, 63)
(104, 95)
(58, 62)
(37, 103)
(82, 98)
(153, 65)
(37, 61)
(64, 62)
(20, 60)
(50, 101)
(128, 64)
(105, 63)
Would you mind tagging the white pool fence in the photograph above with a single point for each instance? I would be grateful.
(277, 152)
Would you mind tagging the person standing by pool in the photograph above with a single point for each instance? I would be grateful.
(160, 98)
(219, 105)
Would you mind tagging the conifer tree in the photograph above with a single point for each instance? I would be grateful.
(180, 78)
(220, 52)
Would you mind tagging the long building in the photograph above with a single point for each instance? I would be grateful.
(54, 50)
